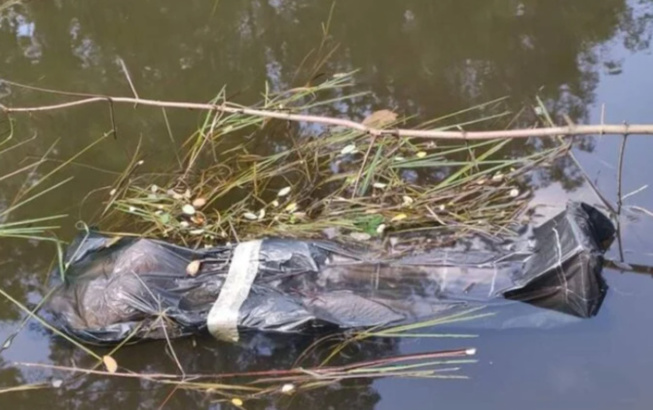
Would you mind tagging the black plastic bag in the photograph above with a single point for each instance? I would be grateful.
(145, 289)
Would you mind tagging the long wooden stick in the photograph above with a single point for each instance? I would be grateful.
(570, 130)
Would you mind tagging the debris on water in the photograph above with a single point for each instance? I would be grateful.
(287, 388)
(497, 177)
(408, 201)
(349, 149)
(361, 236)
(199, 203)
(188, 209)
(399, 217)
(110, 364)
(562, 274)
(193, 267)
(250, 215)
(380, 119)
(284, 191)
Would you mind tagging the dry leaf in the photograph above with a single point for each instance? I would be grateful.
(408, 201)
(199, 202)
(110, 363)
(380, 119)
(399, 217)
(197, 219)
(193, 267)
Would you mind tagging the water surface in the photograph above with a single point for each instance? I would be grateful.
(418, 57)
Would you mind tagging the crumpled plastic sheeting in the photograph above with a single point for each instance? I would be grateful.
(139, 288)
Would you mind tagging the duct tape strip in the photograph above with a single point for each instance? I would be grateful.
(223, 317)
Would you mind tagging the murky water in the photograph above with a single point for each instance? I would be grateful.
(419, 57)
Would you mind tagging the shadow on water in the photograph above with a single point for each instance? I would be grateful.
(417, 57)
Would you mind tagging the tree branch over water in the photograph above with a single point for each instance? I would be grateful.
(569, 130)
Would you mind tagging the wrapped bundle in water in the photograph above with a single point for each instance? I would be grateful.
(148, 289)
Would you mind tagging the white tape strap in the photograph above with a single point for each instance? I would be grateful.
(223, 317)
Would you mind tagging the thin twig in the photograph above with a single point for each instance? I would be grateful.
(129, 80)
(592, 185)
(612, 129)
(287, 372)
(112, 115)
(622, 152)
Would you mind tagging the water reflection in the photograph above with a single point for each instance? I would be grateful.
(205, 355)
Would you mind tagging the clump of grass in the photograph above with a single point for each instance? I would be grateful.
(31, 228)
(329, 181)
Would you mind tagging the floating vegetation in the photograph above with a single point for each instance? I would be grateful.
(29, 228)
(304, 375)
(328, 181)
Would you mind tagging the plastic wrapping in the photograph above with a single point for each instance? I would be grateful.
(141, 289)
